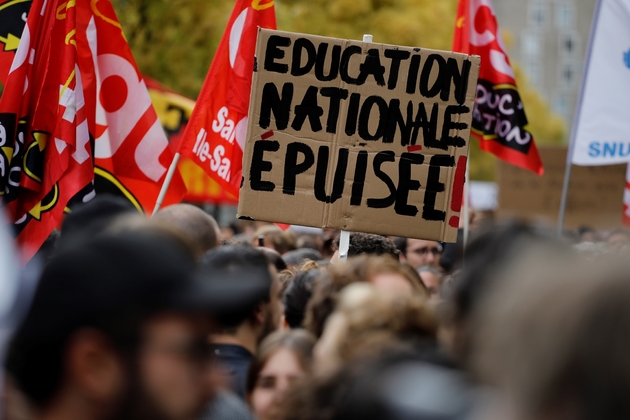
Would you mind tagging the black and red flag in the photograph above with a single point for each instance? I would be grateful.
(13, 15)
(499, 120)
(75, 118)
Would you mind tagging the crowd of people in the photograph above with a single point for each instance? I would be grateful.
(176, 318)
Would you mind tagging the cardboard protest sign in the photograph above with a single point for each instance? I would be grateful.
(594, 198)
(357, 136)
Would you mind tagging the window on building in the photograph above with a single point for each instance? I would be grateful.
(533, 69)
(531, 44)
(569, 44)
(538, 14)
(565, 15)
(561, 105)
(569, 74)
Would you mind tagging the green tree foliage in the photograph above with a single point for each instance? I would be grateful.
(174, 42)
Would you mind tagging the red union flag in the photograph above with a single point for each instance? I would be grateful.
(131, 151)
(215, 135)
(45, 151)
(499, 120)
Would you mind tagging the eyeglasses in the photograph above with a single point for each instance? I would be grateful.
(436, 250)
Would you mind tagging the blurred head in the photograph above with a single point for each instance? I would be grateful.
(249, 285)
(193, 222)
(94, 217)
(554, 338)
(487, 254)
(112, 329)
(298, 256)
(366, 322)
(587, 234)
(396, 385)
(273, 258)
(618, 240)
(385, 273)
(432, 280)
(402, 387)
(297, 295)
(275, 238)
(282, 358)
(419, 252)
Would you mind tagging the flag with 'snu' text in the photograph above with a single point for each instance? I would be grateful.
(499, 120)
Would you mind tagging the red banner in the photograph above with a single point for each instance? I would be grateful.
(75, 118)
(499, 120)
(131, 151)
(13, 15)
(45, 157)
(174, 111)
(215, 135)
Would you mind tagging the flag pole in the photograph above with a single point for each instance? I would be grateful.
(565, 193)
(467, 204)
(166, 183)
(344, 237)
(576, 119)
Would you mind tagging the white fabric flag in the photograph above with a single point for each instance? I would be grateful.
(601, 134)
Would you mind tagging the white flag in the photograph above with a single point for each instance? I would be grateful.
(601, 134)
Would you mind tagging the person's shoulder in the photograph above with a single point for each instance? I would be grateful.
(227, 406)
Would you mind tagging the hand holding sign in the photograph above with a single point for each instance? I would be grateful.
(357, 136)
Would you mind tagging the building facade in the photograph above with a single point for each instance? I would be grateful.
(550, 41)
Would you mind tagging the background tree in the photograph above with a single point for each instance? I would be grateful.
(174, 42)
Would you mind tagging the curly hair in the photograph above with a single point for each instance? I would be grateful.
(368, 243)
(357, 269)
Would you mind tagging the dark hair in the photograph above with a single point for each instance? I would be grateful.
(240, 273)
(401, 244)
(273, 258)
(232, 257)
(368, 243)
(398, 384)
(297, 296)
(110, 283)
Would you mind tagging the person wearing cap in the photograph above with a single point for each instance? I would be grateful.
(117, 329)
(244, 277)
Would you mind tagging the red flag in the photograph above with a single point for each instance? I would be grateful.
(215, 135)
(75, 117)
(131, 150)
(45, 157)
(174, 111)
(499, 120)
(12, 19)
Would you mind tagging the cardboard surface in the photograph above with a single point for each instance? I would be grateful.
(363, 137)
(595, 192)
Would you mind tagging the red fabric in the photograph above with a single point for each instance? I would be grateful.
(201, 188)
(47, 154)
(499, 120)
(11, 27)
(75, 106)
(130, 146)
(215, 135)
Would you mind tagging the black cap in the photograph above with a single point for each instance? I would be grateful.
(236, 279)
